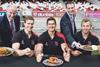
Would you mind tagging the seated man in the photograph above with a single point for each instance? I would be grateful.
(25, 40)
(52, 42)
(85, 37)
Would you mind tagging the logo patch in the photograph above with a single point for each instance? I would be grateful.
(56, 43)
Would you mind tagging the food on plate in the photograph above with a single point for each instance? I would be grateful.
(87, 47)
(2, 51)
(94, 47)
(53, 60)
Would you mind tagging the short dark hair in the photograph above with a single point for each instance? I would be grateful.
(69, 2)
(86, 20)
(28, 18)
(51, 18)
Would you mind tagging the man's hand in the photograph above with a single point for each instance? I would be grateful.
(39, 57)
(76, 44)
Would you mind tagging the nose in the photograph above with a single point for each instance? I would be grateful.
(12, 15)
(31, 25)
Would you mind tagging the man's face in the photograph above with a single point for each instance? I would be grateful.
(51, 25)
(11, 12)
(29, 25)
(70, 8)
(86, 27)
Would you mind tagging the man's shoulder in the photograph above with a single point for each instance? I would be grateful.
(60, 35)
(1, 18)
(78, 33)
(65, 15)
(94, 37)
(34, 34)
(20, 33)
(44, 34)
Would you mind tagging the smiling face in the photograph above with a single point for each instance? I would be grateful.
(70, 8)
(29, 25)
(11, 12)
(51, 25)
(85, 27)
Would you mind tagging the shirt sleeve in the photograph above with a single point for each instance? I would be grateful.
(17, 37)
(41, 39)
(36, 39)
(62, 41)
(96, 41)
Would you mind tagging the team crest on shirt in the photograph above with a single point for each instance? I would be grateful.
(22, 42)
(46, 44)
(89, 42)
(56, 43)
(32, 42)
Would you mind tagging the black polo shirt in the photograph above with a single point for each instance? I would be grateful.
(24, 41)
(91, 40)
(52, 46)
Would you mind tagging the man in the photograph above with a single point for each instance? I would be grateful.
(67, 25)
(25, 40)
(9, 24)
(85, 37)
(52, 42)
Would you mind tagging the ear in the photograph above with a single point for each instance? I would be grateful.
(92, 27)
(24, 24)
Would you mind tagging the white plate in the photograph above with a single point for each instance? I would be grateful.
(8, 51)
(87, 48)
(60, 62)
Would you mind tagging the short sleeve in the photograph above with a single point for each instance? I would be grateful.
(36, 39)
(17, 37)
(41, 39)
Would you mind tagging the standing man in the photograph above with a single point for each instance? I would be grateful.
(67, 25)
(9, 24)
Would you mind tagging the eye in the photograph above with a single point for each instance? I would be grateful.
(87, 26)
(83, 25)
(72, 7)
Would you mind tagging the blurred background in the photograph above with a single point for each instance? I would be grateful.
(42, 9)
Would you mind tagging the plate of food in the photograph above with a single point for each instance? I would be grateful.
(89, 47)
(6, 51)
(53, 61)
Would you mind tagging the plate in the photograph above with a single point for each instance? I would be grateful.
(6, 51)
(87, 47)
(59, 62)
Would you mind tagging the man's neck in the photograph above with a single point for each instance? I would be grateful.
(85, 35)
(28, 33)
(51, 33)
(9, 19)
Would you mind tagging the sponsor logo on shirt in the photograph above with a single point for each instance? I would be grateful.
(32, 42)
(46, 44)
(22, 42)
(89, 42)
(56, 43)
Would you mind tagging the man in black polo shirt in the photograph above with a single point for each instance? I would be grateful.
(52, 42)
(85, 36)
(25, 40)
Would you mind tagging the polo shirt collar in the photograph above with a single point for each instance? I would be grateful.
(27, 35)
(49, 35)
(88, 37)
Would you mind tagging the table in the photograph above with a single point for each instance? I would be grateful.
(81, 61)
